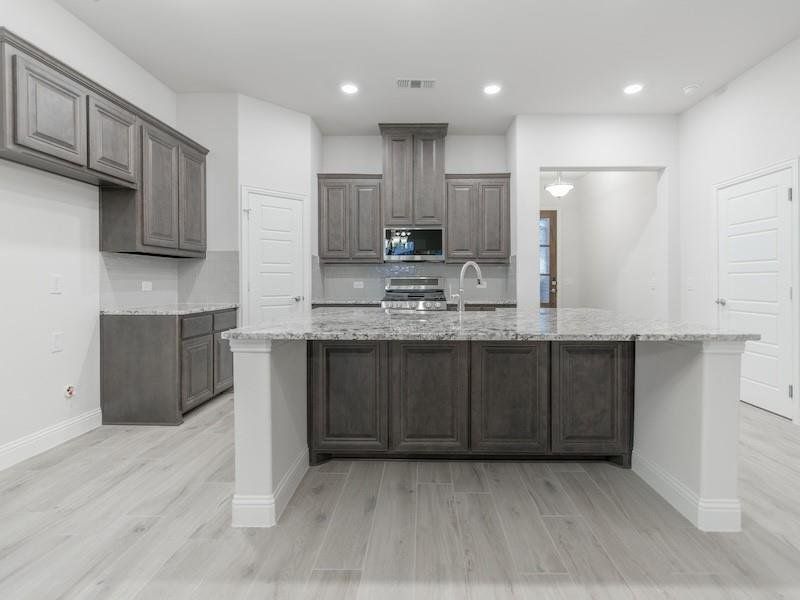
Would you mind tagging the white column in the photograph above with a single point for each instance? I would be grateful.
(269, 428)
(686, 428)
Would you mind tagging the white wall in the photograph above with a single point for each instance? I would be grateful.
(49, 225)
(753, 123)
(536, 141)
(611, 244)
(463, 154)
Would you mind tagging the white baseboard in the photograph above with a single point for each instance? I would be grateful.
(265, 510)
(724, 515)
(37, 442)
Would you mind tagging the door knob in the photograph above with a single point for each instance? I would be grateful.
(298, 298)
(721, 301)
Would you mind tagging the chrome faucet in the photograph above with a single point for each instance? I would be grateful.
(460, 294)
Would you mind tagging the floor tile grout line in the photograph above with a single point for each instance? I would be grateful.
(374, 515)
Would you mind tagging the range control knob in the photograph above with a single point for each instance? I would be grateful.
(427, 304)
(437, 305)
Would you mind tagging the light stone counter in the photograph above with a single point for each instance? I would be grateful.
(170, 309)
(512, 324)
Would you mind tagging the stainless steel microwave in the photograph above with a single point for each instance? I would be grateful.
(407, 244)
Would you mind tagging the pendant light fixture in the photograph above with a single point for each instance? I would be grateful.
(559, 188)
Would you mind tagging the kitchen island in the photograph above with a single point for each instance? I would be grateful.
(510, 384)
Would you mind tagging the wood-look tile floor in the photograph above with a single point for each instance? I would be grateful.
(143, 512)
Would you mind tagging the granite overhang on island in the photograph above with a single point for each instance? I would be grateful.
(560, 384)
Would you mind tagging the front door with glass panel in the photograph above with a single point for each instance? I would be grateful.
(548, 282)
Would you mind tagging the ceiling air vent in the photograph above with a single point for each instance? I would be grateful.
(416, 84)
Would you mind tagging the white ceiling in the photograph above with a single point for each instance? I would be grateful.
(551, 56)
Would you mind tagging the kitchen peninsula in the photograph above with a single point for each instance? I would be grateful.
(513, 384)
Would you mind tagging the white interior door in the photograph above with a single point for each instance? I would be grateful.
(276, 274)
(755, 267)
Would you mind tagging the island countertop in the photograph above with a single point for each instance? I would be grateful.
(508, 324)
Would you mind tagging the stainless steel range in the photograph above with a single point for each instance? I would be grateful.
(413, 294)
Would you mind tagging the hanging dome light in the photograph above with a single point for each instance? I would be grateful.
(559, 188)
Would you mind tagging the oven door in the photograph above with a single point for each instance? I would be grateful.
(413, 245)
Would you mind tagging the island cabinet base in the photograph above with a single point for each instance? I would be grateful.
(470, 400)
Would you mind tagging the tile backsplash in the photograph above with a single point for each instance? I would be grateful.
(335, 282)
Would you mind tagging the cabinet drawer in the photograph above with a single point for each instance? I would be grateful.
(194, 326)
(224, 320)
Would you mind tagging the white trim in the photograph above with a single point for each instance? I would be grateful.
(265, 510)
(707, 514)
(256, 346)
(794, 166)
(244, 246)
(39, 441)
(288, 484)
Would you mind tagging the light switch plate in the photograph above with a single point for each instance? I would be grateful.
(482, 285)
(147, 286)
(55, 283)
(57, 342)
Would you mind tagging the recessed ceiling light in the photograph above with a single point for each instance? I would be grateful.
(492, 89)
(349, 88)
(633, 88)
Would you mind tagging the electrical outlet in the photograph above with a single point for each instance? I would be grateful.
(55, 283)
(70, 391)
(57, 342)
(147, 286)
(359, 285)
(482, 285)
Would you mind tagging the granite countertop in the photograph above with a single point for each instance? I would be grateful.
(575, 324)
(378, 302)
(170, 309)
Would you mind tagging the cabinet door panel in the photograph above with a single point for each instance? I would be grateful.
(592, 397)
(365, 216)
(49, 110)
(192, 192)
(334, 228)
(223, 364)
(429, 186)
(461, 199)
(398, 159)
(493, 220)
(197, 367)
(510, 397)
(113, 140)
(349, 397)
(160, 202)
(429, 389)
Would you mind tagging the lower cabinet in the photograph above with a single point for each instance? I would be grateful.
(155, 368)
(429, 390)
(405, 399)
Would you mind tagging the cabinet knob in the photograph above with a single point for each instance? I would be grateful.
(721, 301)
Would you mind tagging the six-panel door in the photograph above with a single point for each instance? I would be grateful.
(113, 140)
(349, 395)
(592, 397)
(197, 367)
(49, 111)
(429, 387)
(510, 397)
(160, 201)
(192, 193)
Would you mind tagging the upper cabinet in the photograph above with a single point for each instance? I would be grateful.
(350, 218)
(152, 178)
(478, 218)
(413, 174)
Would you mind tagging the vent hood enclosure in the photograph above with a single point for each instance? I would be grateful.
(413, 173)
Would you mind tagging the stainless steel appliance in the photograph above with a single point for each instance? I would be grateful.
(414, 294)
(407, 244)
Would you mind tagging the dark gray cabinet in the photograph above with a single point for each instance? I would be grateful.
(349, 396)
(191, 200)
(151, 177)
(429, 396)
(114, 141)
(510, 397)
(413, 174)
(349, 218)
(592, 397)
(160, 202)
(478, 218)
(49, 111)
(470, 399)
(197, 371)
(155, 368)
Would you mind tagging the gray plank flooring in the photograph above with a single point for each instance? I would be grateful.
(144, 513)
